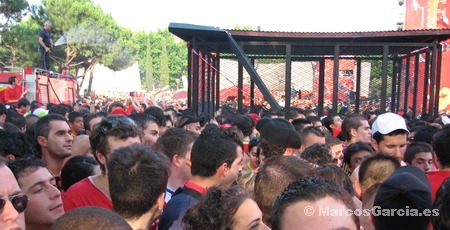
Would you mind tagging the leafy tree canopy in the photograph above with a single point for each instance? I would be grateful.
(12, 12)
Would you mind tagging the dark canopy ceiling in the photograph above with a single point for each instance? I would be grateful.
(307, 44)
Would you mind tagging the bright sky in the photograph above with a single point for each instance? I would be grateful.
(280, 15)
(284, 15)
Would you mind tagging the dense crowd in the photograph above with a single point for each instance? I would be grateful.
(135, 161)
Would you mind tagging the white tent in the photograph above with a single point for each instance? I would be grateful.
(107, 81)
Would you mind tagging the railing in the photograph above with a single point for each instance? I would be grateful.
(51, 74)
(11, 69)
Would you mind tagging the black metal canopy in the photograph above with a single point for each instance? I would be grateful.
(215, 39)
(211, 44)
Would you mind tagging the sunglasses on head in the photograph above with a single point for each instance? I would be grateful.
(254, 140)
(110, 123)
(19, 202)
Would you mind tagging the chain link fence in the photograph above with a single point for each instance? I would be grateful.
(359, 83)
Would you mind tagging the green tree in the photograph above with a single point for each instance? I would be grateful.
(242, 28)
(149, 73)
(92, 36)
(19, 46)
(176, 56)
(142, 39)
(145, 58)
(164, 77)
(376, 74)
(12, 12)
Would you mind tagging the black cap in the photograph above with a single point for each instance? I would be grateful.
(407, 189)
(279, 131)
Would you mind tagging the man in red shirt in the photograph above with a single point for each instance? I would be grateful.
(112, 133)
(14, 91)
(441, 146)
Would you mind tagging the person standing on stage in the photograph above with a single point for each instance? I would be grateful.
(45, 43)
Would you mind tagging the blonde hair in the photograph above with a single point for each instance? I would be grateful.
(247, 181)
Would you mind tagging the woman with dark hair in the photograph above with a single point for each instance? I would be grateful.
(354, 155)
(168, 122)
(78, 168)
(224, 209)
(253, 154)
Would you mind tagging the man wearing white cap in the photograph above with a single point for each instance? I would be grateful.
(389, 135)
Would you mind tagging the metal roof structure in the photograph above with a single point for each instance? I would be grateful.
(387, 46)
(212, 37)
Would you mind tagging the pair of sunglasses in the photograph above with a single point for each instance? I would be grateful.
(111, 122)
(254, 139)
(19, 202)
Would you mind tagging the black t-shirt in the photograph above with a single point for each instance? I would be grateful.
(45, 35)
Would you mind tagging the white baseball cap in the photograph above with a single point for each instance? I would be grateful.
(388, 122)
(40, 112)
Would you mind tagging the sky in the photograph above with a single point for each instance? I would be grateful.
(279, 15)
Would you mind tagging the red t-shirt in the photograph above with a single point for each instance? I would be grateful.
(196, 187)
(85, 193)
(130, 109)
(13, 94)
(336, 131)
(436, 178)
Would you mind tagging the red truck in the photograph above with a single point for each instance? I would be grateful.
(44, 86)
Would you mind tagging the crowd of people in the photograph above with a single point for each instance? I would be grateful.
(105, 163)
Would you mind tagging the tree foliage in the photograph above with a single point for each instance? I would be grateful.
(93, 37)
(19, 45)
(149, 67)
(164, 77)
(376, 79)
(91, 34)
(243, 28)
(11, 12)
(175, 55)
